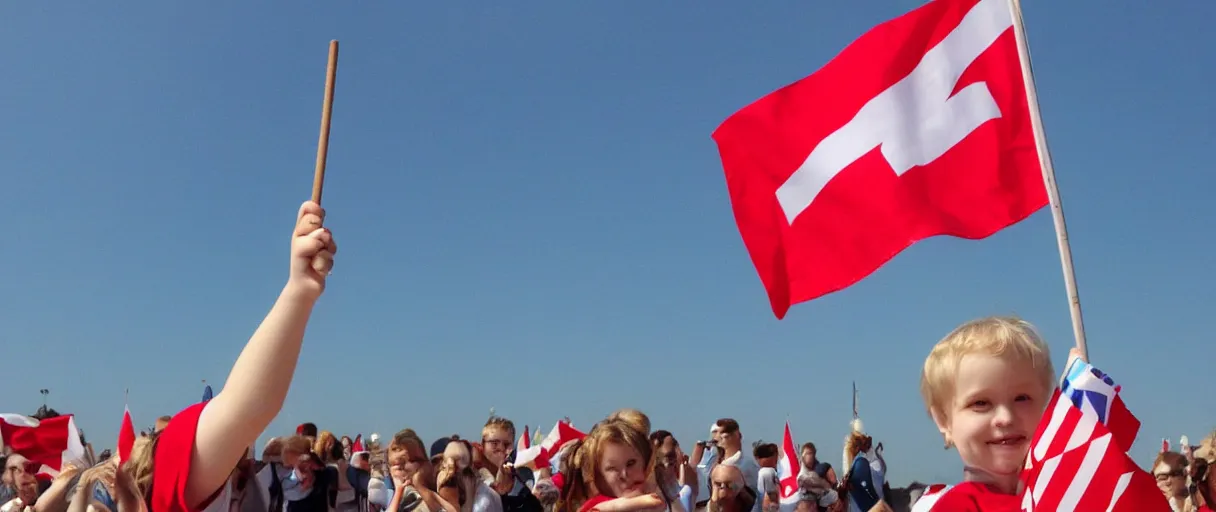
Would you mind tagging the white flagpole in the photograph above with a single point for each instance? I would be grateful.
(1049, 179)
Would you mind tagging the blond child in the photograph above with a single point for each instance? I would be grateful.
(986, 386)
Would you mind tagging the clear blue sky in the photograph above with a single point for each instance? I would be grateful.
(533, 216)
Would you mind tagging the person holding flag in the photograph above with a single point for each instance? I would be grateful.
(987, 386)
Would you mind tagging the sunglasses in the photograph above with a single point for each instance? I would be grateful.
(1161, 477)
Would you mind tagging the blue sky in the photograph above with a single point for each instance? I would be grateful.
(533, 216)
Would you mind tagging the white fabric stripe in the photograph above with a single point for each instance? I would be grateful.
(1084, 428)
(19, 420)
(1124, 481)
(1085, 473)
(1056, 418)
(926, 502)
(1041, 483)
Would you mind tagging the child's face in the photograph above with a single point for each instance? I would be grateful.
(623, 470)
(996, 408)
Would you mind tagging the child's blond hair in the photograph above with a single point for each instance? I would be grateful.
(1007, 337)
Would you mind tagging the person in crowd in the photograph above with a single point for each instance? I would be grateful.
(608, 470)
(359, 475)
(730, 438)
(347, 444)
(1203, 484)
(14, 470)
(191, 459)
(816, 493)
(988, 379)
(273, 472)
(729, 492)
(498, 443)
(765, 454)
(865, 482)
(811, 463)
(707, 453)
(329, 451)
(1170, 470)
(413, 489)
(673, 470)
(308, 430)
(460, 485)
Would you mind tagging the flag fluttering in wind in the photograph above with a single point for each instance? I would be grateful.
(50, 442)
(541, 455)
(126, 436)
(921, 127)
(1078, 459)
(787, 471)
(525, 441)
(357, 445)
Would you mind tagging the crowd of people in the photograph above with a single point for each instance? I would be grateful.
(986, 386)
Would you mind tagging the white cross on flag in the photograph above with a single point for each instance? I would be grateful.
(921, 127)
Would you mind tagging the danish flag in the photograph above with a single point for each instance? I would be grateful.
(50, 443)
(1078, 459)
(787, 471)
(541, 455)
(921, 127)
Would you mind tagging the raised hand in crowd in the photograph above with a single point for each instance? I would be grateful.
(257, 386)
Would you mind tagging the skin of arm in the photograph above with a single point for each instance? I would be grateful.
(257, 386)
(632, 504)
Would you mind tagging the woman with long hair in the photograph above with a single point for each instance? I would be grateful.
(612, 470)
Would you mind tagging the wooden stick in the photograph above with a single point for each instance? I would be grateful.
(1049, 179)
(331, 74)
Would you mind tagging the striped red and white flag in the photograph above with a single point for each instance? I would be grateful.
(50, 442)
(787, 471)
(1076, 463)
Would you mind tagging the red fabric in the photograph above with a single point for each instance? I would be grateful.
(559, 480)
(171, 467)
(789, 466)
(966, 497)
(1205, 508)
(595, 501)
(126, 436)
(357, 446)
(43, 442)
(1076, 463)
(860, 209)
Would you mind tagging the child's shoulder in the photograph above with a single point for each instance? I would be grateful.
(965, 497)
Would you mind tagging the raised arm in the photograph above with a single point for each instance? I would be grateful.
(258, 383)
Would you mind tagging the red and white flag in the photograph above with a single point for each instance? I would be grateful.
(50, 442)
(787, 471)
(525, 441)
(921, 127)
(126, 436)
(541, 455)
(1076, 463)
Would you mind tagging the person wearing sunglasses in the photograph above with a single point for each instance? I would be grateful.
(729, 493)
